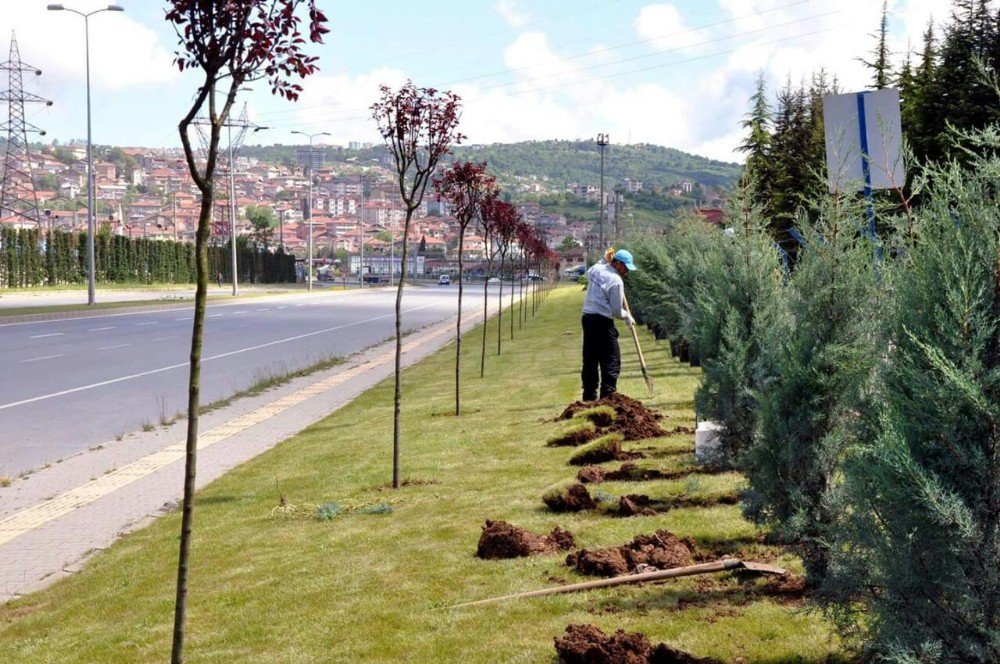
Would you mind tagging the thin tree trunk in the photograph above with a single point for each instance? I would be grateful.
(520, 292)
(511, 302)
(486, 304)
(458, 328)
(397, 395)
(500, 309)
(191, 447)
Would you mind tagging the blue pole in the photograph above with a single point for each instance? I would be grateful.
(866, 165)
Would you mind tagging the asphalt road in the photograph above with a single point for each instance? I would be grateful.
(71, 384)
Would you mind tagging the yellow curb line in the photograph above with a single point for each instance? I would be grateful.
(37, 516)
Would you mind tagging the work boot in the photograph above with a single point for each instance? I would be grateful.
(589, 396)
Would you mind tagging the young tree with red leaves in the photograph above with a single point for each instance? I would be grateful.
(464, 185)
(525, 232)
(419, 125)
(504, 232)
(232, 43)
(490, 211)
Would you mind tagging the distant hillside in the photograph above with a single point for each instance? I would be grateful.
(558, 163)
(565, 162)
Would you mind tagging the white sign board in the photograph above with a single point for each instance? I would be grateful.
(860, 124)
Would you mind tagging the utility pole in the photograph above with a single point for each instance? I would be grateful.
(602, 142)
(18, 185)
(244, 125)
(309, 264)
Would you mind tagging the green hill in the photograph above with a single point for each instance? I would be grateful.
(560, 163)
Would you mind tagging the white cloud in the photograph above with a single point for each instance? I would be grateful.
(664, 28)
(514, 15)
(123, 52)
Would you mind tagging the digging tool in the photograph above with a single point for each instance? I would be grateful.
(676, 572)
(638, 348)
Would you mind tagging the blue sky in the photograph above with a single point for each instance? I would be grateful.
(672, 73)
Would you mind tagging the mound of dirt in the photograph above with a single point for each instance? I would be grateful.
(587, 644)
(633, 420)
(627, 506)
(575, 498)
(503, 540)
(662, 550)
(629, 472)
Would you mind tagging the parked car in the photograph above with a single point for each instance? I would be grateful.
(493, 280)
(444, 280)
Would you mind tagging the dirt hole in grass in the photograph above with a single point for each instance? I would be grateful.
(630, 472)
(789, 589)
(637, 504)
(569, 498)
(587, 644)
(661, 550)
(501, 540)
(633, 420)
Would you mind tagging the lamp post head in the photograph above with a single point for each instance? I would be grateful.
(115, 8)
(55, 8)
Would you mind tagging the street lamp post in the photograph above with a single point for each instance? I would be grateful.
(309, 263)
(91, 223)
(602, 142)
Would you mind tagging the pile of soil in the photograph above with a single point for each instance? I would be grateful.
(629, 472)
(587, 644)
(610, 452)
(632, 505)
(576, 498)
(662, 550)
(574, 437)
(503, 540)
(634, 421)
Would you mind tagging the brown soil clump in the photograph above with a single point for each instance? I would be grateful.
(662, 550)
(574, 438)
(628, 507)
(503, 540)
(633, 420)
(575, 498)
(587, 644)
(630, 472)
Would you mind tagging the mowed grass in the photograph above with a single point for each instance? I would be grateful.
(271, 584)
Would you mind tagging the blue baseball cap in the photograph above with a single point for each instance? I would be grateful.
(625, 256)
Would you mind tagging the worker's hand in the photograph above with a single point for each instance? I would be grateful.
(627, 317)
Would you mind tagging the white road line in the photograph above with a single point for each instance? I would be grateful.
(185, 318)
(100, 329)
(213, 315)
(113, 347)
(264, 309)
(39, 359)
(42, 336)
(300, 305)
(152, 322)
(284, 307)
(165, 338)
(152, 372)
(243, 311)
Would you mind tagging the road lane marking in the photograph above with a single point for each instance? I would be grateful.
(185, 318)
(213, 315)
(51, 334)
(113, 347)
(173, 336)
(100, 329)
(35, 517)
(39, 359)
(240, 312)
(152, 322)
(264, 309)
(284, 307)
(152, 372)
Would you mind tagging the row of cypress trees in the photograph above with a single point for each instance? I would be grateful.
(859, 392)
(29, 257)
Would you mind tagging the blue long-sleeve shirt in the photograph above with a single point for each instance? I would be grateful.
(605, 290)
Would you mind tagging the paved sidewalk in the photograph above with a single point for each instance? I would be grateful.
(53, 520)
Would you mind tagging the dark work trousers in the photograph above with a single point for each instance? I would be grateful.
(601, 357)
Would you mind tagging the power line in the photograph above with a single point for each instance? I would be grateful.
(328, 119)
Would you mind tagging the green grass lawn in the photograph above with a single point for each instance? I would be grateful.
(271, 584)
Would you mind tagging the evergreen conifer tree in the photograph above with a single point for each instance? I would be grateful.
(809, 407)
(916, 571)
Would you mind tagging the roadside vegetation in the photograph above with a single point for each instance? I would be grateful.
(304, 555)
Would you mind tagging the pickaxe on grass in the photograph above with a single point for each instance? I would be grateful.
(659, 575)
